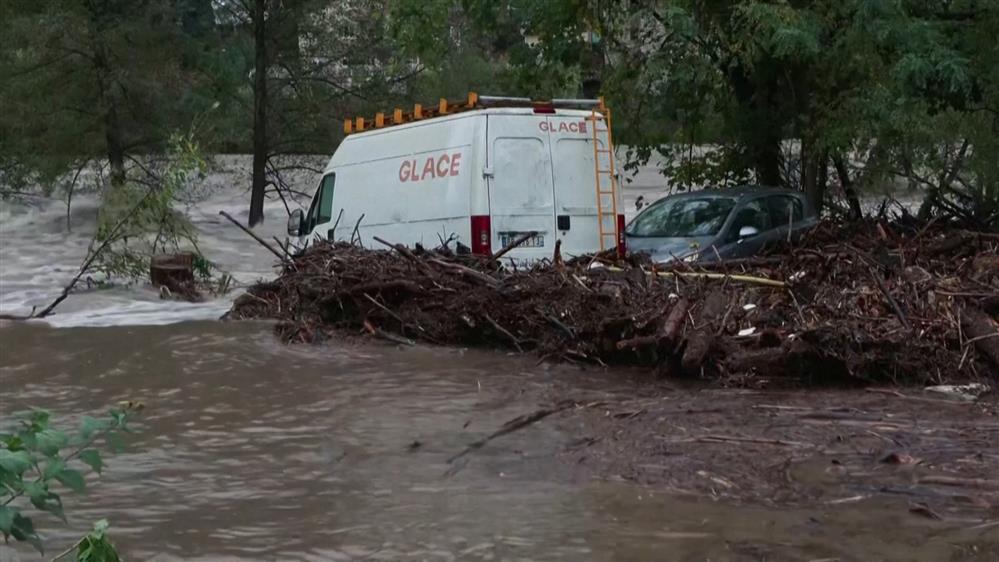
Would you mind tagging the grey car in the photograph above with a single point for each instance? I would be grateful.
(718, 223)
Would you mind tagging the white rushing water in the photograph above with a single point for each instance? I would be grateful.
(40, 254)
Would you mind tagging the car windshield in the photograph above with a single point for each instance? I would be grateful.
(683, 217)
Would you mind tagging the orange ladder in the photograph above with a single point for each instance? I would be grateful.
(606, 176)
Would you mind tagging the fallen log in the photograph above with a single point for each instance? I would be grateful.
(696, 353)
(984, 334)
(468, 272)
(284, 258)
(675, 320)
(396, 286)
(524, 238)
(375, 331)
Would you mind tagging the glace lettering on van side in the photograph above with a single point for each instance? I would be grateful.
(433, 167)
(563, 127)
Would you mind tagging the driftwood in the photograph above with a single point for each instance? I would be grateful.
(283, 257)
(513, 339)
(818, 314)
(984, 334)
(981, 483)
(468, 272)
(519, 422)
(675, 320)
(386, 335)
(512, 245)
(716, 276)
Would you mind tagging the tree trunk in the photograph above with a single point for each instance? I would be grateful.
(851, 193)
(259, 113)
(813, 174)
(766, 159)
(759, 124)
(112, 134)
(106, 86)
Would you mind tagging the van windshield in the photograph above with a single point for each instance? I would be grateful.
(683, 217)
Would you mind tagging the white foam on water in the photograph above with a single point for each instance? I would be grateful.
(39, 255)
(140, 313)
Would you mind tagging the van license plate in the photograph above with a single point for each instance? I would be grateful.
(536, 241)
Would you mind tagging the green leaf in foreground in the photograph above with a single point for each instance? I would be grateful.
(44, 499)
(7, 515)
(92, 457)
(96, 547)
(90, 425)
(50, 441)
(15, 462)
(24, 530)
(72, 479)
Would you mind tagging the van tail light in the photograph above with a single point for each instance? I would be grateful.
(622, 246)
(544, 108)
(481, 243)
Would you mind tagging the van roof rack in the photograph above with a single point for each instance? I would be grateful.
(472, 102)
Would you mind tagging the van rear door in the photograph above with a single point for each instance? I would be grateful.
(521, 191)
(575, 184)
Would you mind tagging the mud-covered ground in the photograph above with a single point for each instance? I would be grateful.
(803, 447)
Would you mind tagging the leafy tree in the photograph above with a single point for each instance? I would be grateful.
(313, 63)
(36, 458)
(784, 92)
(137, 219)
(88, 79)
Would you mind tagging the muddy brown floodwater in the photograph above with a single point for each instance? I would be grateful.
(253, 450)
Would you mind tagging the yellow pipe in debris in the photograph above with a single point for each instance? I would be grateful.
(706, 275)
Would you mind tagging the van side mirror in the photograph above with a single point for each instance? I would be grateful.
(295, 220)
(748, 232)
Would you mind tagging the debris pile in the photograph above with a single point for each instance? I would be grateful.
(867, 302)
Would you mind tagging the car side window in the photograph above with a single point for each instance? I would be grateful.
(784, 210)
(321, 210)
(755, 214)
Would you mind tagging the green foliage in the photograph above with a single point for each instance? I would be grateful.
(83, 79)
(894, 86)
(138, 219)
(95, 546)
(36, 457)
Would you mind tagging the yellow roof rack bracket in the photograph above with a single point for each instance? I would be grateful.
(471, 102)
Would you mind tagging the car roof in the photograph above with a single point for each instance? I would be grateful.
(736, 192)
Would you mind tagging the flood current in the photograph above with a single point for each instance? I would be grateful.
(250, 449)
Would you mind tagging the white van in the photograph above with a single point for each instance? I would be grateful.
(481, 174)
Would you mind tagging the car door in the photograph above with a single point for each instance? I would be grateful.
(521, 190)
(756, 214)
(786, 214)
(574, 169)
(319, 219)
